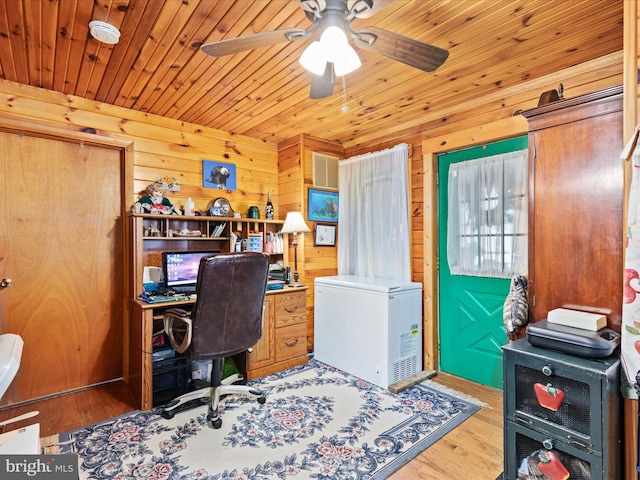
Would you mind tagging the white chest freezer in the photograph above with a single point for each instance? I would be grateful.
(369, 327)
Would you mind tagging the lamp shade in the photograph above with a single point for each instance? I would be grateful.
(313, 58)
(347, 61)
(338, 51)
(294, 223)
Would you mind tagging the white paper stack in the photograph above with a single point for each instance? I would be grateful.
(577, 319)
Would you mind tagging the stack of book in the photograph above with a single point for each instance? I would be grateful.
(218, 229)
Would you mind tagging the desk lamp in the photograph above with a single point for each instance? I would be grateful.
(294, 223)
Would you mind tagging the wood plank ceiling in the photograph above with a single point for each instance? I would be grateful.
(157, 67)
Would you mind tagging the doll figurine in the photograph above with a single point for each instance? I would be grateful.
(155, 201)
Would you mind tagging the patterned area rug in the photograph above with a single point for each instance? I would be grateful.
(318, 422)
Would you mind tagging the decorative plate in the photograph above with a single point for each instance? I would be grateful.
(221, 207)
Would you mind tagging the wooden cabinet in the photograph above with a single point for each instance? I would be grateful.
(575, 206)
(151, 234)
(284, 333)
(262, 354)
(582, 429)
(284, 345)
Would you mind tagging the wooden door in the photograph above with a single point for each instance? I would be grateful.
(61, 246)
(470, 325)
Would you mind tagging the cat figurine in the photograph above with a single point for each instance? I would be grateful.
(515, 313)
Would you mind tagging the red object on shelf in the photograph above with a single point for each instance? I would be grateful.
(552, 467)
(549, 396)
(158, 339)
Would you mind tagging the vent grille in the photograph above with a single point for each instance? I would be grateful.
(405, 368)
(325, 171)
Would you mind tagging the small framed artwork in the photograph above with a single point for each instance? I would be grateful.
(324, 235)
(322, 206)
(218, 175)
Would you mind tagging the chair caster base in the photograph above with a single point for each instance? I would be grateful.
(168, 413)
(214, 423)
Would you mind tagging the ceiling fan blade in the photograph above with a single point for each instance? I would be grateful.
(403, 49)
(322, 85)
(249, 42)
(362, 7)
(312, 6)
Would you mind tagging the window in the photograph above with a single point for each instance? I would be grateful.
(487, 217)
(375, 235)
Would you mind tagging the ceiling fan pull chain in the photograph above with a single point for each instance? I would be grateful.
(345, 107)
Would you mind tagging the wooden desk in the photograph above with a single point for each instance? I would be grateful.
(283, 343)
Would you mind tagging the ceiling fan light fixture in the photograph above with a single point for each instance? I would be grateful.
(313, 58)
(333, 47)
(346, 61)
(338, 51)
(333, 38)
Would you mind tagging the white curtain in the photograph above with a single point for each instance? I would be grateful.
(374, 239)
(487, 216)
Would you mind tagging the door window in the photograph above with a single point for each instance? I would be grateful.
(487, 216)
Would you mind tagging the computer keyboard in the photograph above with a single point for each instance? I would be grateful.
(184, 290)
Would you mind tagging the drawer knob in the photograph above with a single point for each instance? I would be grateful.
(291, 344)
(548, 444)
(547, 370)
(290, 310)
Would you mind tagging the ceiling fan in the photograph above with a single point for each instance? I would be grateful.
(335, 16)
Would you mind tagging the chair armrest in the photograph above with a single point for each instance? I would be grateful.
(177, 326)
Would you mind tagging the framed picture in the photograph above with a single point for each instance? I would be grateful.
(325, 235)
(218, 175)
(322, 206)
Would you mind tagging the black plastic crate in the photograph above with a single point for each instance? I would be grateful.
(170, 379)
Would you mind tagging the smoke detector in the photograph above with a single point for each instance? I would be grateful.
(104, 32)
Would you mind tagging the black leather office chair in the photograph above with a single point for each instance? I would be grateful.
(226, 320)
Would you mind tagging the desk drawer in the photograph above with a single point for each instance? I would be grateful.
(291, 308)
(291, 341)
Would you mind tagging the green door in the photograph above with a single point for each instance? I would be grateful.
(470, 328)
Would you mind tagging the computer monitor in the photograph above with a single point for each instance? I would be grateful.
(180, 269)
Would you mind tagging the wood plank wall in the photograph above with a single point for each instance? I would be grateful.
(296, 175)
(161, 146)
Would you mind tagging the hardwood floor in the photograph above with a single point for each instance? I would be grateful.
(74, 410)
(472, 450)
